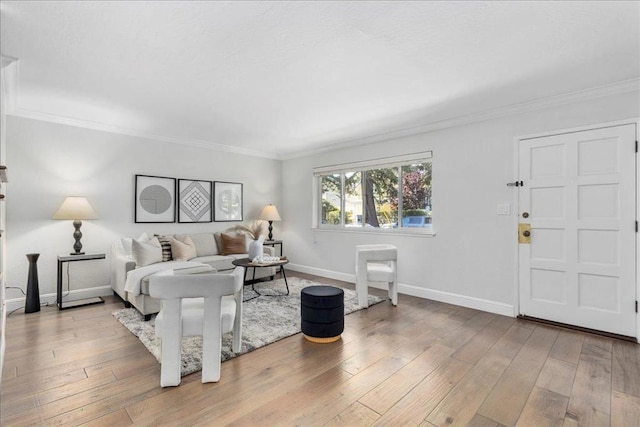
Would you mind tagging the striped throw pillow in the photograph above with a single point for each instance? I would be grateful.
(165, 242)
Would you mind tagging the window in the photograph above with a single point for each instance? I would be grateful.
(331, 199)
(390, 194)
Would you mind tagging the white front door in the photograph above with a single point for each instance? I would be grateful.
(579, 197)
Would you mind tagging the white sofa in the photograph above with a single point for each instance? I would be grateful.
(131, 282)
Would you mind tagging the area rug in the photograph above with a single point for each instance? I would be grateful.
(265, 320)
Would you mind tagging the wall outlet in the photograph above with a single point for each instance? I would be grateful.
(504, 209)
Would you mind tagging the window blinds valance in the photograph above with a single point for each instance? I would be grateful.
(386, 162)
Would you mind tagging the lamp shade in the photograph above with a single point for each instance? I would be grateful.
(75, 208)
(270, 213)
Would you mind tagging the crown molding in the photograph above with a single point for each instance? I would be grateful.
(103, 127)
(10, 86)
(10, 77)
(623, 86)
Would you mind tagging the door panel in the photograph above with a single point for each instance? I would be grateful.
(579, 190)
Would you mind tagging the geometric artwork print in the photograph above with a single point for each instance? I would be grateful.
(195, 201)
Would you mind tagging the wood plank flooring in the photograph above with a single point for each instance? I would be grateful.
(423, 363)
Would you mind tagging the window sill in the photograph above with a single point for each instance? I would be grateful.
(386, 232)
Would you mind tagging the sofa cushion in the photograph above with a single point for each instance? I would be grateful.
(165, 242)
(146, 252)
(205, 243)
(233, 244)
(128, 241)
(219, 262)
(218, 238)
(183, 250)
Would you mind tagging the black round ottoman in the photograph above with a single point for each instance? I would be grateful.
(322, 313)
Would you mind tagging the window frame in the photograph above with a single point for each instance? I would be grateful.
(362, 166)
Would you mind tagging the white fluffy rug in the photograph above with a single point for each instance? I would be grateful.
(265, 320)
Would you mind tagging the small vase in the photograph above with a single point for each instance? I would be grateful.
(255, 248)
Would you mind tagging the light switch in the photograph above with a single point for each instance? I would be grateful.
(504, 209)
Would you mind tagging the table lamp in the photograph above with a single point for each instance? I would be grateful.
(76, 208)
(270, 213)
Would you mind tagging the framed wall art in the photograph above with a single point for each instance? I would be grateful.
(194, 201)
(155, 200)
(227, 201)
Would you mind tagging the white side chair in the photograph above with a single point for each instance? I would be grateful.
(376, 263)
(197, 304)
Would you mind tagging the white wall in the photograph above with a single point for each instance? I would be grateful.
(471, 260)
(50, 161)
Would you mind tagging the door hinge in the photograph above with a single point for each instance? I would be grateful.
(515, 184)
(636, 146)
(636, 226)
(636, 306)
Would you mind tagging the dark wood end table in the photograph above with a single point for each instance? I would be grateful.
(246, 263)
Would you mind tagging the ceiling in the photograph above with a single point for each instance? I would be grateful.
(279, 79)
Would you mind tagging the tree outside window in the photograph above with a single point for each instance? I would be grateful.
(331, 199)
(416, 195)
(371, 197)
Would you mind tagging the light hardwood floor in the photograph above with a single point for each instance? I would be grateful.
(423, 363)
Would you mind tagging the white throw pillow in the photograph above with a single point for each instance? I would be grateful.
(183, 251)
(127, 242)
(146, 253)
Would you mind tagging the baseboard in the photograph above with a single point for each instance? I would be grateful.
(329, 274)
(50, 299)
(457, 299)
(426, 293)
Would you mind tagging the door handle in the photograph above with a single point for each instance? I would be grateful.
(524, 233)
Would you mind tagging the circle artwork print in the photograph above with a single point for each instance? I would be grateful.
(155, 199)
